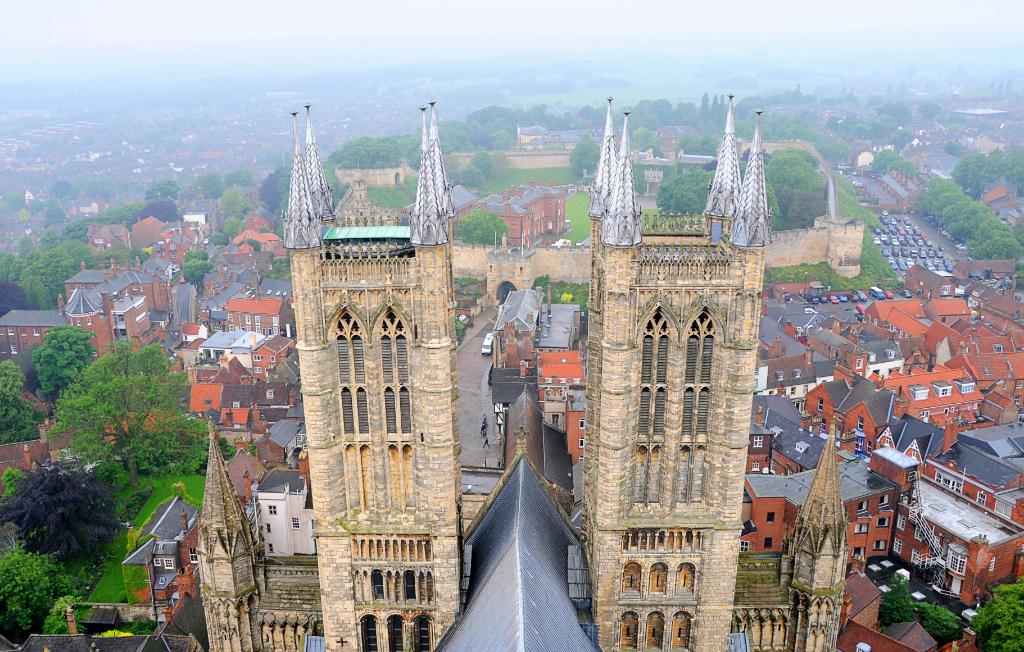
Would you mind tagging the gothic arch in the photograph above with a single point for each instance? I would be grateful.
(661, 304)
(632, 576)
(392, 306)
(345, 308)
(629, 625)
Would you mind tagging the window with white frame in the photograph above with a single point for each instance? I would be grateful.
(883, 521)
(879, 544)
(758, 441)
(755, 466)
(915, 556)
(295, 523)
(917, 534)
(248, 320)
(862, 506)
(860, 423)
(583, 424)
(950, 482)
(193, 556)
(272, 510)
(821, 404)
(957, 562)
(883, 500)
(901, 522)
(257, 358)
(981, 497)
(992, 565)
(582, 442)
(256, 319)
(897, 546)
(862, 528)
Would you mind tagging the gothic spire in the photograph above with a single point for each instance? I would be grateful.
(224, 524)
(753, 208)
(320, 191)
(301, 224)
(622, 218)
(433, 205)
(724, 193)
(606, 164)
(822, 512)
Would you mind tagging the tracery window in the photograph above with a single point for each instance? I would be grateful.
(394, 358)
(351, 374)
(697, 373)
(654, 348)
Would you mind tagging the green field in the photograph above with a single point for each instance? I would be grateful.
(393, 197)
(579, 221)
(110, 587)
(517, 177)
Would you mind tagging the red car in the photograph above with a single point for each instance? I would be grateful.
(834, 299)
(889, 295)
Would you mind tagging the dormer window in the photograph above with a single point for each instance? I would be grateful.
(780, 375)
(890, 354)
(796, 373)
(918, 392)
(997, 348)
(965, 386)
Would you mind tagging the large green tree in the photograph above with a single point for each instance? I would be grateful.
(65, 353)
(211, 184)
(480, 227)
(897, 605)
(29, 584)
(1000, 623)
(887, 161)
(584, 157)
(685, 193)
(61, 510)
(164, 189)
(941, 623)
(240, 178)
(235, 203)
(18, 417)
(195, 271)
(127, 407)
(799, 189)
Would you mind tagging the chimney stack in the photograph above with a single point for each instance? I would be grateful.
(304, 467)
(60, 303)
(81, 265)
(26, 457)
(759, 415)
(69, 613)
(247, 485)
(524, 367)
(138, 264)
(184, 520)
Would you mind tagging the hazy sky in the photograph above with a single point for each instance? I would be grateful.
(43, 37)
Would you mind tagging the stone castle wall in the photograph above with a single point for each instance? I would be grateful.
(836, 242)
(571, 264)
(520, 160)
(376, 177)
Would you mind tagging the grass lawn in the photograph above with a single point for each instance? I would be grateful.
(393, 197)
(110, 587)
(518, 177)
(579, 221)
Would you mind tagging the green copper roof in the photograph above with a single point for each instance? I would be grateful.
(367, 233)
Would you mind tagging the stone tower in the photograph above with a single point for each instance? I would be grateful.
(375, 324)
(227, 559)
(671, 353)
(818, 548)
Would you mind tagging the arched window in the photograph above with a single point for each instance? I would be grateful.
(700, 354)
(685, 577)
(628, 627)
(350, 350)
(653, 376)
(421, 634)
(395, 630)
(394, 356)
(681, 629)
(655, 630)
(407, 478)
(631, 575)
(368, 632)
(377, 584)
(409, 580)
(659, 578)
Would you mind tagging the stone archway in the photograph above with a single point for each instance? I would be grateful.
(504, 289)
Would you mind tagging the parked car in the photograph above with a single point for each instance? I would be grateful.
(488, 344)
(889, 295)
(834, 299)
(844, 299)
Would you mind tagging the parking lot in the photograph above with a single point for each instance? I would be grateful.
(908, 240)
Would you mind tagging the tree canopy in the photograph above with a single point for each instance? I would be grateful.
(888, 160)
(584, 157)
(161, 209)
(211, 185)
(941, 623)
(41, 271)
(66, 352)
(18, 417)
(975, 171)
(1000, 623)
(274, 189)
(897, 605)
(127, 407)
(239, 178)
(165, 189)
(368, 152)
(969, 221)
(235, 203)
(61, 510)
(12, 297)
(685, 193)
(480, 227)
(29, 584)
(799, 189)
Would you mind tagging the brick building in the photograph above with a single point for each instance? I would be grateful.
(936, 396)
(22, 329)
(558, 372)
(104, 236)
(264, 315)
(530, 212)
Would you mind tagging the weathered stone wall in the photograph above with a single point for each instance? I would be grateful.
(520, 160)
(837, 242)
(571, 264)
(376, 177)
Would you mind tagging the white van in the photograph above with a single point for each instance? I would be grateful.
(488, 345)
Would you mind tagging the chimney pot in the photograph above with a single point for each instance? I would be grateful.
(247, 485)
(69, 614)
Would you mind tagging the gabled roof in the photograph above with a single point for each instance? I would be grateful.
(518, 595)
(255, 305)
(33, 318)
(545, 444)
(861, 591)
(521, 308)
(855, 481)
(909, 429)
(991, 470)
(847, 394)
(913, 635)
(244, 461)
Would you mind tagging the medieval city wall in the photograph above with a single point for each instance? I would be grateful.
(519, 160)
(570, 264)
(837, 242)
(376, 177)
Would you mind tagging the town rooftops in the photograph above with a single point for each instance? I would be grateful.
(258, 305)
(521, 308)
(283, 432)
(855, 481)
(1001, 441)
(960, 517)
(892, 455)
(989, 469)
(237, 341)
(862, 592)
(909, 429)
(280, 480)
(557, 332)
(561, 364)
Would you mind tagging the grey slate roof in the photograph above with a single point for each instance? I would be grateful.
(283, 432)
(845, 395)
(521, 307)
(165, 523)
(545, 443)
(558, 333)
(989, 469)
(776, 407)
(908, 429)
(518, 596)
(1001, 441)
(279, 479)
(272, 287)
(507, 385)
(33, 318)
(855, 480)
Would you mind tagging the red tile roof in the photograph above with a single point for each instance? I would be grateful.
(861, 591)
(561, 364)
(906, 323)
(854, 633)
(949, 307)
(255, 305)
(200, 394)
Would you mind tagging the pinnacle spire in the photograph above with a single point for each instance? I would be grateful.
(622, 217)
(753, 207)
(301, 224)
(822, 510)
(724, 193)
(320, 191)
(433, 204)
(221, 511)
(606, 164)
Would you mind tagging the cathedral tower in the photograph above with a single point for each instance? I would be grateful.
(374, 317)
(818, 549)
(226, 562)
(671, 351)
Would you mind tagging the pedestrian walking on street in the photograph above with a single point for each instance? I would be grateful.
(487, 443)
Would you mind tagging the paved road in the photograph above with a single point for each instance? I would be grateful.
(183, 303)
(475, 395)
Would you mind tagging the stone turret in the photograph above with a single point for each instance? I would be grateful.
(227, 562)
(622, 215)
(606, 166)
(819, 547)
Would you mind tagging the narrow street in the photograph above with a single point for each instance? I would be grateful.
(183, 303)
(475, 396)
